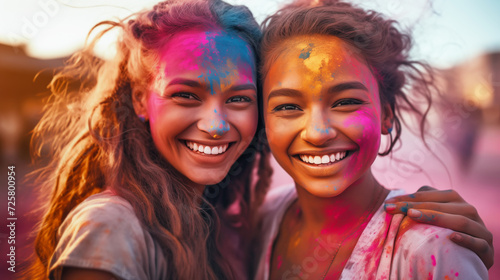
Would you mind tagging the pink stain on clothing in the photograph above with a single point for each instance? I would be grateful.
(433, 260)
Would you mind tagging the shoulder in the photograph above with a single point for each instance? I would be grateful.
(100, 212)
(103, 233)
(424, 250)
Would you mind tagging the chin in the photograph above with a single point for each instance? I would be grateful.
(324, 189)
(207, 178)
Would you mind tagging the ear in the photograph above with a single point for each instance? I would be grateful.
(140, 103)
(387, 118)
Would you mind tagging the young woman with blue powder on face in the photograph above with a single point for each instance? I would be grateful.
(134, 148)
(151, 170)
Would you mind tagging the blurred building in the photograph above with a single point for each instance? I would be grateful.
(476, 83)
(21, 99)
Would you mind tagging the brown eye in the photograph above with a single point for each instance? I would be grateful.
(286, 107)
(347, 102)
(238, 98)
(185, 95)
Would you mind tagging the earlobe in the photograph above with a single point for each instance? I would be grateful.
(387, 118)
(139, 101)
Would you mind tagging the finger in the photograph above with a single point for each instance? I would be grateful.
(430, 196)
(477, 245)
(426, 188)
(463, 209)
(454, 222)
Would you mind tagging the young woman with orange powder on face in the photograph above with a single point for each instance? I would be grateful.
(335, 80)
(135, 147)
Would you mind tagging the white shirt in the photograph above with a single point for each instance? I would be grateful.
(422, 252)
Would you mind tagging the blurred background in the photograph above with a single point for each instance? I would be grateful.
(460, 38)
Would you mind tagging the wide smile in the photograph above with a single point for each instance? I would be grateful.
(323, 160)
(207, 150)
(321, 164)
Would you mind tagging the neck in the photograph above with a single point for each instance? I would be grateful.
(344, 211)
(197, 188)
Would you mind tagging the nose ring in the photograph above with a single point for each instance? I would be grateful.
(216, 136)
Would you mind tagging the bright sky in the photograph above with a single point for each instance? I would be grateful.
(446, 32)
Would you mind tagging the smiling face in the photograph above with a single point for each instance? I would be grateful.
(322, 113)
(202, 107)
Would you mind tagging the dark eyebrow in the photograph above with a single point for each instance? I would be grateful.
(284, 92)
(243, 87)
(347, 86)
(186, 82)
(332, 90)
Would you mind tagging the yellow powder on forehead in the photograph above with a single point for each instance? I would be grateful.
(316, 61)
(316, 51)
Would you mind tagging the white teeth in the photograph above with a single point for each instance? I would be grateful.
(317, 160)
(325, 159)
(304, 158)
(209, 150)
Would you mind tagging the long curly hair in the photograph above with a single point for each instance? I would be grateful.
(95, 141)
(404, 84)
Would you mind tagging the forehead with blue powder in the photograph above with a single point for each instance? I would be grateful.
(221, 54)
(217, 58)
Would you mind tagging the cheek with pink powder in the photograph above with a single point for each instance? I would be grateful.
(366, 121)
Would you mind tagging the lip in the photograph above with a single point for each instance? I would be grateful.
(322, 170)
(206, 158)
(208, 142)
(323, 152)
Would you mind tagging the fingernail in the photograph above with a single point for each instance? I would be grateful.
(456, 237)
(389, 207)
(414, 213)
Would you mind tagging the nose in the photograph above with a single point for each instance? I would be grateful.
(318, 130)
(214, 123)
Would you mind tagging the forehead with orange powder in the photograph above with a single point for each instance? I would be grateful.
(322, 58)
